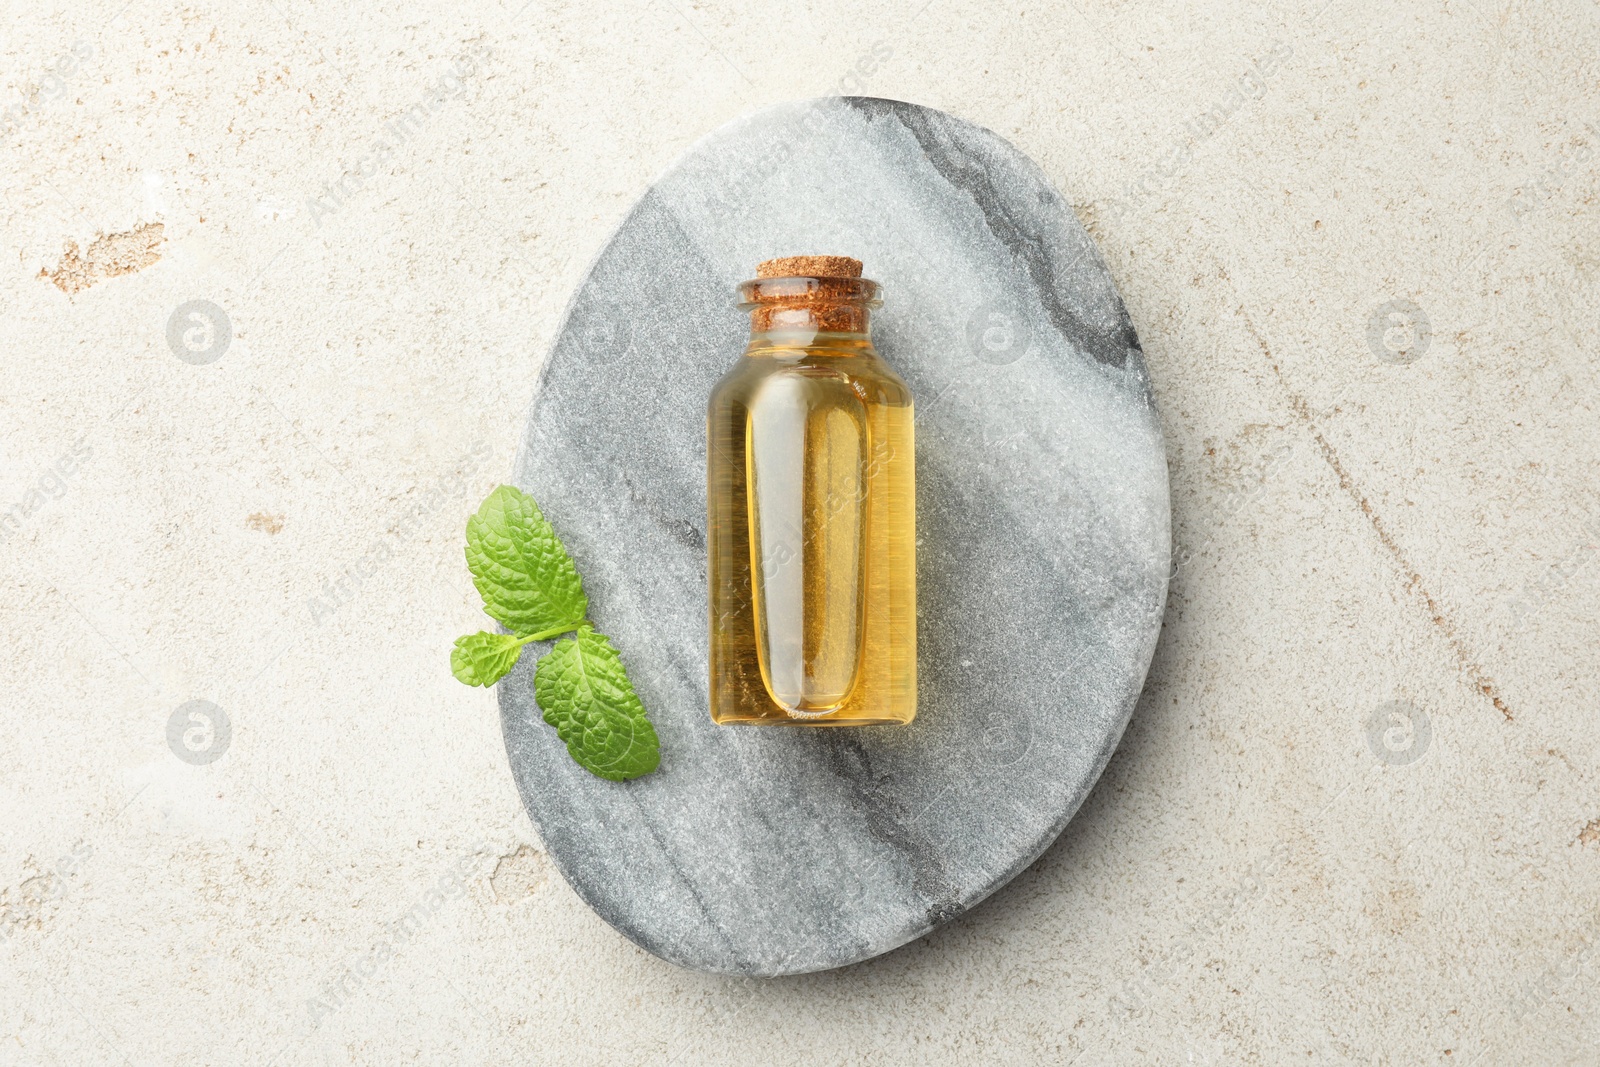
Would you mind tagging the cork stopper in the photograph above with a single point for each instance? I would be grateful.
(824, 293)
(810, 267)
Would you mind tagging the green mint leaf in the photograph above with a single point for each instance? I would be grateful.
(527, 580)
(484, 658)
(585, 693)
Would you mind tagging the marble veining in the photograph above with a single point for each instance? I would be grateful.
(1043, 541)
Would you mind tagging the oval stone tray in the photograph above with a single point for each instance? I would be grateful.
(1042, 558)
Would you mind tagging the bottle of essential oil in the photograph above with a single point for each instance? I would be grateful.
(811, 495)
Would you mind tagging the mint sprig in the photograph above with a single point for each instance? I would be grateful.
(530, 585)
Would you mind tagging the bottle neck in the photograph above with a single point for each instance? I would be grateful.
(788, 343)
(785, 312)
(841, 319)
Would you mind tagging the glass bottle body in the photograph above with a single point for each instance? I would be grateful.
(811, 502)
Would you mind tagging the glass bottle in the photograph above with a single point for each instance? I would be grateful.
(811, 501)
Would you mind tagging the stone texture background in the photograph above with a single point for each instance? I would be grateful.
(1354, 819)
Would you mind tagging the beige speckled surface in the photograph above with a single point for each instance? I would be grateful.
(1262, 876)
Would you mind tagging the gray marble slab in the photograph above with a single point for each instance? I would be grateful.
(1042, 560)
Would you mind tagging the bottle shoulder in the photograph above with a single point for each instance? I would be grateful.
(863, 371)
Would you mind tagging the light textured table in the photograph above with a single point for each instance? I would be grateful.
(1376, 527)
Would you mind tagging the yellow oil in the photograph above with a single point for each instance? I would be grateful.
(811, 501)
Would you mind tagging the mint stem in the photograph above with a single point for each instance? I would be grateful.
(545, 635)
